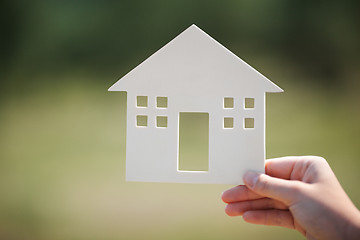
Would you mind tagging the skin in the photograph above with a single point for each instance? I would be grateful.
(300, 193)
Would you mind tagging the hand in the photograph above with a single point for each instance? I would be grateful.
(300, 193)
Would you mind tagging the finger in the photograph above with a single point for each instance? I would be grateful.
(238, 208)
(281, 167)
(239, 193)
(282, 218)
(292, 167)
(283, 190)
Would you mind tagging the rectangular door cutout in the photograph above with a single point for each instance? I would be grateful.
(193, 141)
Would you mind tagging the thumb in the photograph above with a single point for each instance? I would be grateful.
(280, 189)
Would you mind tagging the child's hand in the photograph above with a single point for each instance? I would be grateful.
(301, 193)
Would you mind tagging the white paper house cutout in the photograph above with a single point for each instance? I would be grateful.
(194, 73)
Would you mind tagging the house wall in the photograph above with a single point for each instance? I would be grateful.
(237, 150)
(152, 152)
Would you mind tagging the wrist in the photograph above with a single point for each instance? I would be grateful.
(353, 231)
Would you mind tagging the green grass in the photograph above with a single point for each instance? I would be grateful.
(62, 167)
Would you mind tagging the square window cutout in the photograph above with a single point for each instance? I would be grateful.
(141, 120)
(228, 122)
(249, 103)
(141, 101)
(162, 121)
(161, 102)
(249, 123)
(228, 102)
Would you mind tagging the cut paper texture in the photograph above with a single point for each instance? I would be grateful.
(194, 77)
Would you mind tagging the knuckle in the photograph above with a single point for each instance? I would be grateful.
(320, 159)
(297, 190)
(315, 158)
(262, 184)
(296, 187)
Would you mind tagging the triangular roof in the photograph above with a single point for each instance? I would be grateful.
(193, 63)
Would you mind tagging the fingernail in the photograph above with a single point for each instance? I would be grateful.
(250, 178)
(222, 197)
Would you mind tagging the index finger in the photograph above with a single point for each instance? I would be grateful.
(282, 167)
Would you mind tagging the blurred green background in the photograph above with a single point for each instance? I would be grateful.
(62, 135)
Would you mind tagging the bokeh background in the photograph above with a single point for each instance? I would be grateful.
(62, 135)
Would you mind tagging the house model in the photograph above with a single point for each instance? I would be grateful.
(194, 75)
